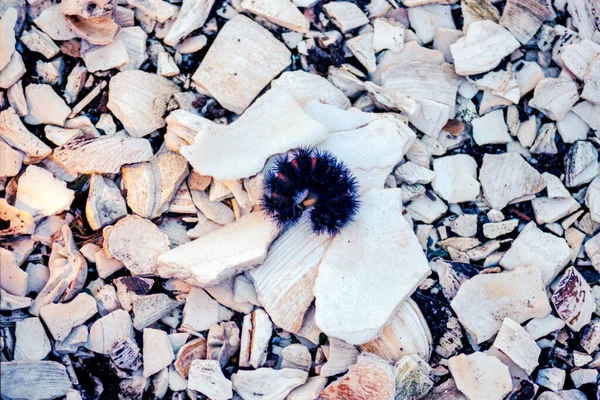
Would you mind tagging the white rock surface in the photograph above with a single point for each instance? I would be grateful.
(480, 377)
(220, 254)
(242, 60)
(347, 268)
(483, 301)
(340, 355)
(456, 178)
(275, 123)
(534, 247)
(482, 48)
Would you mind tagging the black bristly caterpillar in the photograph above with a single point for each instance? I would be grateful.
(311, 178)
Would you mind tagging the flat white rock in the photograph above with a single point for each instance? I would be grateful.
(456, 178)
(200, 312)
(482, 48)
(242, 60)
(361, 277)
(275, 123)
(480, 377)
(61, 318)
(534, 247)
(220, 254)
(483, 301)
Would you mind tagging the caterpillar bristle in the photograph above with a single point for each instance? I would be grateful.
(323, 177)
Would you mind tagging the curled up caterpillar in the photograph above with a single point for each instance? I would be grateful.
(311, 179)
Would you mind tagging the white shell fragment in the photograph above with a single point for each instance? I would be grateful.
(151, 185)
(284, 281)
(358, 319)
(15, 134)
(280, 12)
(62, 318)
(345, 15)
(456, 178)
(256, 333)
(507, 177)
(573, 300)
(483, 301)
(139, 100)
(370, 378)
(482, 48)
(480, 377)
(137, 243)
(222, 253)
(32, 343)
(102, 155)
(205, 376)
(45, 106)
(274, 124)
(158, 352)
(242, 60)
(533, 247)
(34, 379)
(555, 97)
(32, 191)
(105, 205)
(514, 341)
(267, 383)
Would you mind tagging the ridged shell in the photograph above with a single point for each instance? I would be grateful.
(125, 353)
(406, 333)
(284, 282)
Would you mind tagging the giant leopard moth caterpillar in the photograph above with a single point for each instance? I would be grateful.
(311, 177)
